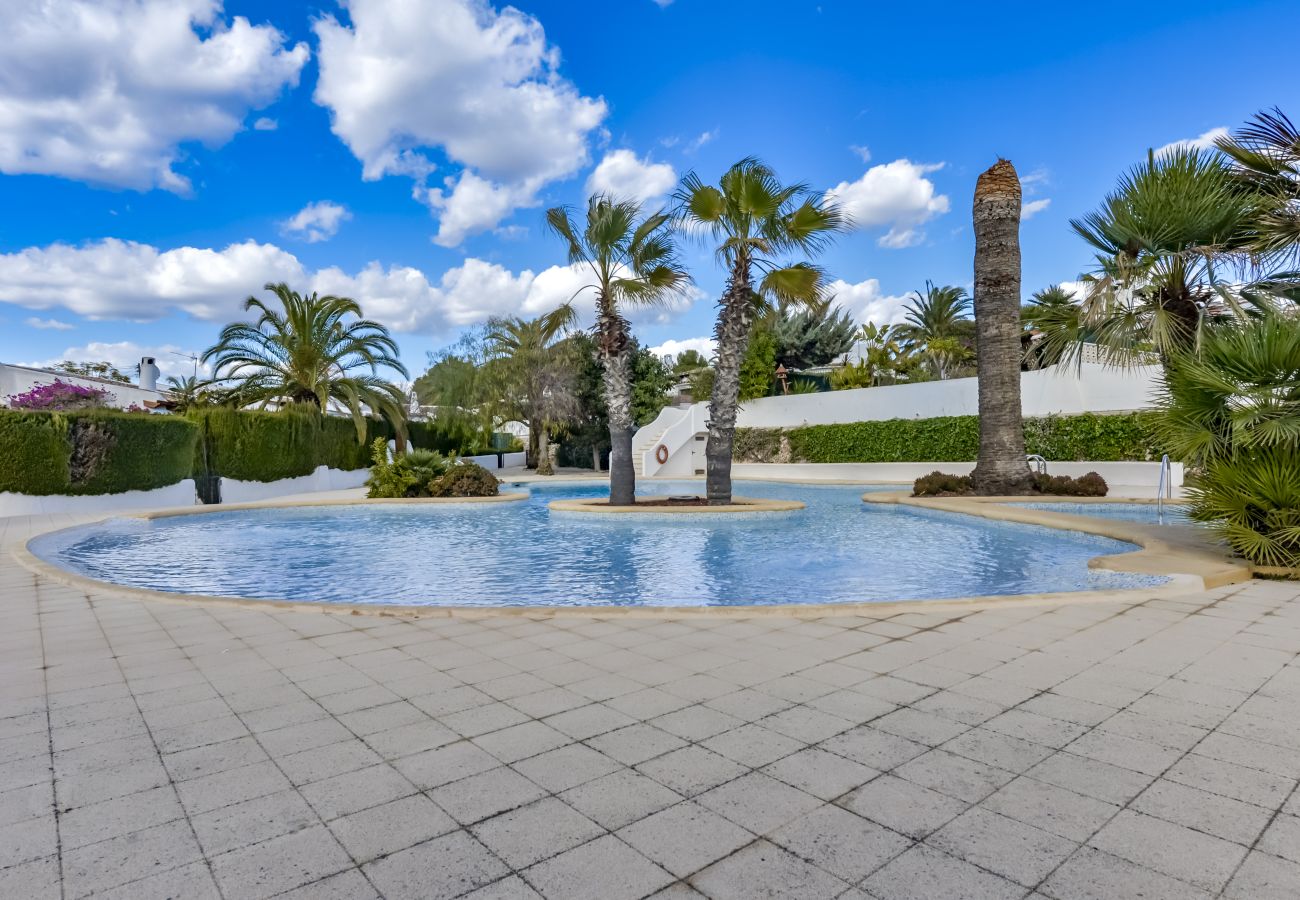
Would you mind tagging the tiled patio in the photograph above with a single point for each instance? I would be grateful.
(1104, 750)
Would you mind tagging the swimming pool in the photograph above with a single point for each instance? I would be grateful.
(837, 550)
(1146, 513)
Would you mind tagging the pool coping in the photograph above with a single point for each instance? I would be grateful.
(1157, 562)
(1164, 550)
(738, 505)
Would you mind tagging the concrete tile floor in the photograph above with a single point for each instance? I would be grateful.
(1054, 750)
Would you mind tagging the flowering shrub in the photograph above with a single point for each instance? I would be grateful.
(60, 397)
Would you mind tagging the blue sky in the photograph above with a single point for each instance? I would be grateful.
(155, 153)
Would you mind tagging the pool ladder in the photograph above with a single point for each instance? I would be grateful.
(1039, 462)
(1164, 490)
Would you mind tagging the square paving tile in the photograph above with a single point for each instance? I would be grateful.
(252, 821)
(821, 773)
(692, 770)
(903, 806)
(566, 767)
(444, 867)
(840, 842)
(764, 870)
(685, 838)
(484, 795)
(1020, 852)
(620, 798)
(603, 869)
(381, 830)
(535, 832)
(1205, 861)
(758, 802)
(924, 873)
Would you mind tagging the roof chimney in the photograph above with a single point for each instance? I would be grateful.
(148, 374)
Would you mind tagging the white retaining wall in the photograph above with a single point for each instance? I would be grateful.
(179, 494)
(323, 479)
(1129, 474)
(1055, 390)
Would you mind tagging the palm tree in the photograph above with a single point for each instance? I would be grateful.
(187, 392)
(1055, 318)
(530, 374)
(632, 261)
(1265, 154)
(936, 322)
(1162, 238)
(1001, 467)
(757, 223)
(311, 350)
(884, 356)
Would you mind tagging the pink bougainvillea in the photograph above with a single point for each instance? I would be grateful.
(60, 396)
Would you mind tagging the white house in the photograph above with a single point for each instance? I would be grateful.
(20, 379)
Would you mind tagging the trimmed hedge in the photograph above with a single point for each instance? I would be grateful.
(92, 451)
(1091, 437)
(249, 445)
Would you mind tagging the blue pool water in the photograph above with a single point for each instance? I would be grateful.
(1145, 513)
(838, 549)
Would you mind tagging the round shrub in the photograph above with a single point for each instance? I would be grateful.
(466, 480)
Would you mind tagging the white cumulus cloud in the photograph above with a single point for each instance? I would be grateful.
(105, 91)
(1200, 142)
(706, 346)
(866, 302)
(126, 355)
(47, 324)
(316, 222)
(623, 175)
(896, 195)
(411, 88)
(1033, 208)
(124, 280)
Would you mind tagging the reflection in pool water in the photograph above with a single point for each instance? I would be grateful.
(838, 549)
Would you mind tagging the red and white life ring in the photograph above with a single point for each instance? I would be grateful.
(661, 454)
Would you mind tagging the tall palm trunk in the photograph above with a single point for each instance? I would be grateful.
(617, 375)
(544, 466)
(733, 337)
(1001, 467)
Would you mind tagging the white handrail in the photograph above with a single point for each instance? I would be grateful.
(1165, 486)
(1039, 461)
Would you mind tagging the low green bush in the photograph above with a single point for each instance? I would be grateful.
(92, 451)
(426, 473)
(940, 484)
(466, 479)
(1085, 437)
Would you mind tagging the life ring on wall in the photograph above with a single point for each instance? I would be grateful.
(661, 454)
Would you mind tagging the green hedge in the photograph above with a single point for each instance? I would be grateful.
(92, 452)
(249, 445)
(1096, 438)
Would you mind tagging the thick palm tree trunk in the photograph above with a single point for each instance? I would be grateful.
(1001, 467)
(544, 466)
(617, 375)
(732, 333)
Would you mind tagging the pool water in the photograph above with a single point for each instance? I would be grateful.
(1146, 513)
(837, 550)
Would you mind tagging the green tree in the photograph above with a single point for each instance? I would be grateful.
(632, 261)
(1163, 238)
(688, 361)
(757, 224)
(530, 373)
(811, 337)
(310, 350)
(1265, 155)
(937, 324)
(101, 369)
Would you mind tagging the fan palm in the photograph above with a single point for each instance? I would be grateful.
(310, 350)
(530, 374)
(632, 261)
(758, 223)
(936, 322)
(1162, 238)
(1232, 411)
(1265, 154)
(1056, 318)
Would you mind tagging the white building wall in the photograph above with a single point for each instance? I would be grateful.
(20, 379)
(1051, 391)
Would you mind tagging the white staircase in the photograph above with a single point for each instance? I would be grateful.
(677, 429)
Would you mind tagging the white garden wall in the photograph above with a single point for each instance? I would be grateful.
(1052, 391)
(179, 494)
(323, 479)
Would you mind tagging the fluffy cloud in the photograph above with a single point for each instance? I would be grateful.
(315, 222)
(1033, 208)
(126, 355)
(897, 195)
(479, 86)
(113, 279)
(622, 174)
(105, 91)
(47, 324)
(706, 346)
(1201, 142)
(865, 302)
(265, 123)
